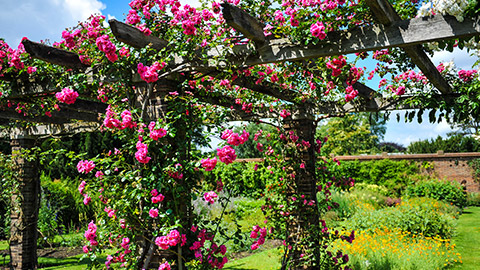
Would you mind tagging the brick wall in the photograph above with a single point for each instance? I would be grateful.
(450, 166)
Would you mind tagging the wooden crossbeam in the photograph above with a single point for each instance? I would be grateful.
(88, 106)
(375, 37)
(53, 55)
(49, 130)
(386, 14)
(134, 37)
(58, 117)
(244, 23)
(267, 88)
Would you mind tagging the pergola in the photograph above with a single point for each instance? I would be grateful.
(83, 116)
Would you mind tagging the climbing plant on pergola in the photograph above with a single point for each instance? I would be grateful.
(161, 78)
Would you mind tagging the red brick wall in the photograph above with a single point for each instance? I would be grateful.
(450, 166)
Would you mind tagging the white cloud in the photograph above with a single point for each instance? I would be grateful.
(461, 58)
(40, 20)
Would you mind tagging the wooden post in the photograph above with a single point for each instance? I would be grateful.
(25, 207)
(307, 217)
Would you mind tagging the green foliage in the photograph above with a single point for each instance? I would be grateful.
(249, 148)
(352, 134)
(447, 191)
(61, 199)
(475, 165)
(457, 143)
(394, 175)
(425, 216)
(473, 199)
(59, 164)
(243, 177)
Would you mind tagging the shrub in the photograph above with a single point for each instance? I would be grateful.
(425, 216)
(248, 179)
(451, 192)
(394, 175)
(457, 143)
(473, 199)
(62, 197)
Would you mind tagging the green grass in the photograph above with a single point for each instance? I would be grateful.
(467, 238)
(267, 260)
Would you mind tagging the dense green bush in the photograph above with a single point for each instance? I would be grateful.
(394, 175)
(61, 198)
(425, 216)
(454, 144)
(247, 179)
(473, 199)
(451, 192)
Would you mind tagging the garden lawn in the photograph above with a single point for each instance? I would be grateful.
(467, 239)
(265, 260)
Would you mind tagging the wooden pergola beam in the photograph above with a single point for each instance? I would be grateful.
(50, 129)
(53, 55)
(368, 38)
(267, 88)
(386, 14)
(243, 22)
(134, 37)
(58, 117)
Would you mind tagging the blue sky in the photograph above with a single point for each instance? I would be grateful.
(46, 19)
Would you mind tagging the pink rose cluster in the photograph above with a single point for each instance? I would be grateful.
(318, 30)
(156, 133)
(226, 154)
(105, 45)
(261, 238)
(111, 120)
(336, 65)
(213, 251)
(91, 236)
(149, 73)
(67, 96)
(81, 188)
(164, 266)
(85, 166)
(210, 196)
(209, 164)
(142, 152)
(172, 239)
(176, 173)
(284, 114)
(156, 197)
(234, 138)
(466, 75)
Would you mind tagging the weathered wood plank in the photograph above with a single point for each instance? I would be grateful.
(376, 37)
(134, 37)
(386, 14)
(58, 117)
(85, 106)
(267, 88)
(50, 130)
(53, 55)
(244, 23)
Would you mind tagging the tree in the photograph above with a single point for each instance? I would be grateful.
(350, 135)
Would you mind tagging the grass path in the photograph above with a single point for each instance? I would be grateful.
(467, 239)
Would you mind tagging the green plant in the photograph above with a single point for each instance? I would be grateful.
(447, 191)
(425, 216)
(473, 199)
(475, 165)
(394, 175)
